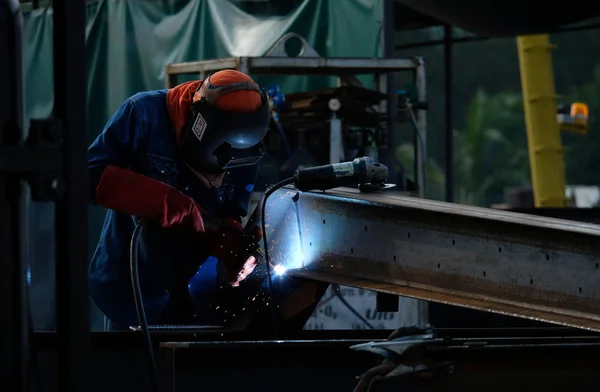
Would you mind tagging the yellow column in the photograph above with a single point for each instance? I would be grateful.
(543, 134)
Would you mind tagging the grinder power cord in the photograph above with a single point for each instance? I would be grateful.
(368, 175)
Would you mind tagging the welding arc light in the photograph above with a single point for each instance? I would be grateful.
(279, 270)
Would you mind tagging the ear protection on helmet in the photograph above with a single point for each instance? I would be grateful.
(216, 140)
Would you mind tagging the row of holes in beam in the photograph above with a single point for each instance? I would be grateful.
(454, 243)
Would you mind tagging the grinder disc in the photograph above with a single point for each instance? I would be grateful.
(371, 187)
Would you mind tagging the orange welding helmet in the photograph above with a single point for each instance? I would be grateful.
(230, 117)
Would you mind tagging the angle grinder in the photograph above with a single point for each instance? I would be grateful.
(370, 176)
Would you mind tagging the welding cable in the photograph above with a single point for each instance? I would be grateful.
(336, 290)
(269, 192)
(139, 305)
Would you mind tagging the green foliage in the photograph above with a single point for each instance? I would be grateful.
(490, 152)
(405, 154)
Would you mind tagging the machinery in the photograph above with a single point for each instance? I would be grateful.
(308, 62)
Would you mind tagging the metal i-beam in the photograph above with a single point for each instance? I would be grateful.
(498, 261)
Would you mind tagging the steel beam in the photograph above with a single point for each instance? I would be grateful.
(498, 261)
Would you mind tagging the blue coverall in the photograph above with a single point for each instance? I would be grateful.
(139, 136)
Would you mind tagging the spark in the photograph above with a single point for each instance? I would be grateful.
(279, 269)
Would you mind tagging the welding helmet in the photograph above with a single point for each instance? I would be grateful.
(230, 118)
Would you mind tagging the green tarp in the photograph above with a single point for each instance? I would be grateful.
(129, 42)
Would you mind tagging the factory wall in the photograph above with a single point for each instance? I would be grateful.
(130, 42)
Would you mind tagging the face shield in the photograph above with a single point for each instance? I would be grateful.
(216, 140)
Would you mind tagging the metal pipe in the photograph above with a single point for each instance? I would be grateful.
(448, 126)
(389, 52)
(543, 134)
(421, 142)
(71, 226)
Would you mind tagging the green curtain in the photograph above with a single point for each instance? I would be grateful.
(129, 42)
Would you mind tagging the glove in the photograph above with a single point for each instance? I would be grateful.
(132, 193)
(235, 249)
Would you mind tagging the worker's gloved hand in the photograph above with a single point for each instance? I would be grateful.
(236, 249)
(132, 193)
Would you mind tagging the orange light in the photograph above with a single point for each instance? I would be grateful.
(579, 110)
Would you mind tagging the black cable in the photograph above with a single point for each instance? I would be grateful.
(266, 195)
(336, 290)
(139, 305)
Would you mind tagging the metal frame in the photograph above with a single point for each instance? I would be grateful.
(448, 115)
(71, 227)
(13, 330)
(49, 164)
(504, 262)
(308, 62)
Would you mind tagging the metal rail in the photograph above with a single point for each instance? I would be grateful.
(498, 261)
(294, 65)
(307, 62)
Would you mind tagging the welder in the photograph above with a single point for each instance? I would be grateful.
(185, 160)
